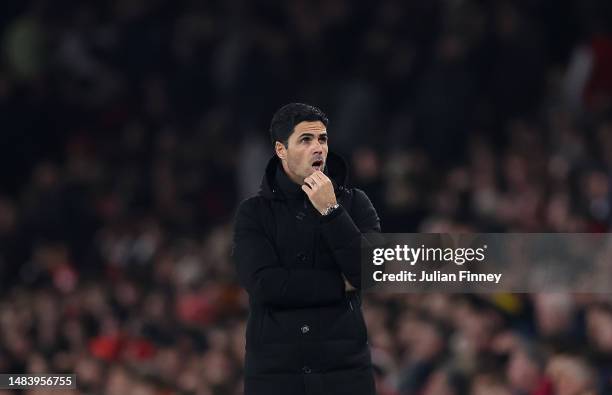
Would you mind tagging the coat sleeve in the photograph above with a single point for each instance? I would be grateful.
(345, 235)
(266, 279)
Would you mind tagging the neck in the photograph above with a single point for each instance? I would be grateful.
(293, 177)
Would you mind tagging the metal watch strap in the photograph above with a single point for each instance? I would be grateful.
(330, 209)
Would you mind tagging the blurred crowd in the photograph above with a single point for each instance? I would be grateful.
(131, 129)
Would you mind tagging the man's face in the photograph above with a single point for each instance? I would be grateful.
(306, 151)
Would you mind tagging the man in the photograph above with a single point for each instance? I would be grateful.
(297, 252)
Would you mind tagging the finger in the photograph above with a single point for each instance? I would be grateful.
(312, 182)
(320, 176)
(317, 176)
(306, 189)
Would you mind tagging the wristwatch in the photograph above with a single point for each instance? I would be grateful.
(330, 209)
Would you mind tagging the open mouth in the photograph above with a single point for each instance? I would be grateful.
(317, 165)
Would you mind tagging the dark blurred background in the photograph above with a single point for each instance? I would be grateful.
(131, 129)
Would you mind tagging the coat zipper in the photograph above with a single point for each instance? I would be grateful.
(315, 241)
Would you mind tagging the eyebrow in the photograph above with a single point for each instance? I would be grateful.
(324, 134)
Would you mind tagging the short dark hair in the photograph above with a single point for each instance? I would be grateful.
(285, 119)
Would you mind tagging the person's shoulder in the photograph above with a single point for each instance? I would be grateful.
(360, 200)
(250, 204)
(248, 212)
(254, 213)
(357, 194)
(361, 209)
(360, 193)
(356, 200)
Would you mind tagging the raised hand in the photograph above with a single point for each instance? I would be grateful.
(320, 191)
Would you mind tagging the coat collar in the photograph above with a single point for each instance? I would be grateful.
(289, 188)
(276, 185)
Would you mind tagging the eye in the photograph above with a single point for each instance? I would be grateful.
(304, 139)
(323, 139)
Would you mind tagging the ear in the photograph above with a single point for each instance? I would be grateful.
(281, 150)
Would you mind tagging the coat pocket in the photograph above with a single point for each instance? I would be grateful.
(354, 305)
(254, 329)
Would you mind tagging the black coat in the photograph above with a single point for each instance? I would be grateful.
(305, 334)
